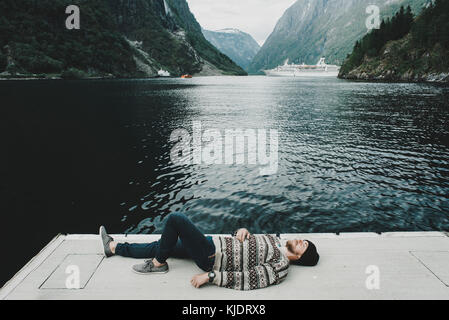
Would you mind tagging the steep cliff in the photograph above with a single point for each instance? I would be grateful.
(237, 45)
(419, 55)
(120, 38)
(310, 29)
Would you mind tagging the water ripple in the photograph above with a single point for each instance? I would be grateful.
(352, 156)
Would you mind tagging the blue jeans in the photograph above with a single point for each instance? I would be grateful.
(180, 239)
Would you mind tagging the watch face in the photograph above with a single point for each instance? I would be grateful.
(211, 276)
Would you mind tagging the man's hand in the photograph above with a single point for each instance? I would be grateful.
(243, 234)
(200, 279)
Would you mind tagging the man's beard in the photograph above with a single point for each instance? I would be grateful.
(289, 246)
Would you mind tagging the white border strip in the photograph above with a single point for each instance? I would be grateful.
(138, 238)
(414, 234)
(32, 265)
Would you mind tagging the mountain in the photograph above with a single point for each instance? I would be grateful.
(310, 29)
(404, 49)
(237, 45)
(118, 38)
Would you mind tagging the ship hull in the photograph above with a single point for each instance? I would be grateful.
(321, 69)
(275, 73)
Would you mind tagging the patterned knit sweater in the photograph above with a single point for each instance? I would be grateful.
(256, 263)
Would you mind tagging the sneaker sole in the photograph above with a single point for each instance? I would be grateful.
(147, 273)
(102, 244)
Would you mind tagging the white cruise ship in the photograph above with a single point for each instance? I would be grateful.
(321, 69)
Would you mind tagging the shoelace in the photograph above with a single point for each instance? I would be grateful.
(149, 263)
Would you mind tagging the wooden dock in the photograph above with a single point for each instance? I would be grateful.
(404, 265)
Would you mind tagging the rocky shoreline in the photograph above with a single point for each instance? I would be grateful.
(390, 76)
(401, 61)
(7, 76)
(206, 72)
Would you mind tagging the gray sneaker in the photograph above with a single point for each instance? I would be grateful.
(105, 240)
(148, 268)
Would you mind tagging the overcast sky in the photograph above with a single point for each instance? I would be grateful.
(256, 17)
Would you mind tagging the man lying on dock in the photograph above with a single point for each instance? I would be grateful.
(242, 262)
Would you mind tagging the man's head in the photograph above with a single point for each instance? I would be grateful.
(302, 253)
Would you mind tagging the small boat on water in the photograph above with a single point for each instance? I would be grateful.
(186, 76)
(163, 73)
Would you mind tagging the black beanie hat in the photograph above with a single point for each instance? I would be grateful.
(309, 258)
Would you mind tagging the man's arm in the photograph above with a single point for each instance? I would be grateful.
(200, 279)
(242, 234)
(203, 278)
(260, 276)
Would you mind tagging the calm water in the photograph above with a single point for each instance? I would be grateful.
(352, 157)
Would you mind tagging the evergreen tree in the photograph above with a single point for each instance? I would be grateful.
(372, 43)
(432, 26)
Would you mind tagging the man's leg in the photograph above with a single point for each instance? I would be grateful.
(146, 250)
(196, 245)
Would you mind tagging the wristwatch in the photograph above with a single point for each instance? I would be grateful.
(211, 276)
